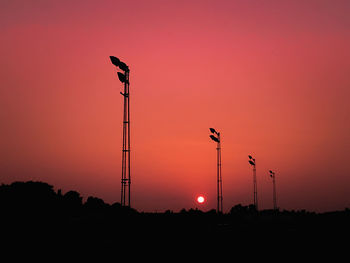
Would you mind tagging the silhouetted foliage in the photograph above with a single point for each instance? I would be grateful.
(94, 203)
(73, 198)
(28, 198)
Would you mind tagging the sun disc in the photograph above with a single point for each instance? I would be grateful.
(200, 199)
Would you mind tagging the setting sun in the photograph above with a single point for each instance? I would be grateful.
(200, 199)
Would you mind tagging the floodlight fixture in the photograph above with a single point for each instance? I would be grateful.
(214, 138)
(123, 66)
(212, 130)
(115, 61)
(252, 163)
(121, 77)
(250, 157)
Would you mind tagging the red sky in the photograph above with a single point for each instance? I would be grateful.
(272, 76)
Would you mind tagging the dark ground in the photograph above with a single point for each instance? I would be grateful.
(36, 218)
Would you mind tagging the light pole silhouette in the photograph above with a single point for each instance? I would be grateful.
(255, 185)
(272, 175)
(216, 139)
(126, 181)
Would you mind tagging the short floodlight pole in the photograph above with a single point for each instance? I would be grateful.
(217, 139)
(274, 195)
(125, 199)
(252, 162)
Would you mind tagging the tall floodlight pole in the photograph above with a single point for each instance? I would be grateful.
(125, 182)
(272, 175)
(219, 179)
(255, 185)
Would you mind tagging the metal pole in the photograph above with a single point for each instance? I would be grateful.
(129, 179)
(122, 201)
(218, 177)
(255, 187)
(274, 193)
(219, 206)
(220, 202)
(125, 183)
(221, 195)
(125, 180)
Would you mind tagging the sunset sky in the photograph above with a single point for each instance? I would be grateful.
(272, 76)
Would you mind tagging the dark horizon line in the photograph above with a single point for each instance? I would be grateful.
(237, 207)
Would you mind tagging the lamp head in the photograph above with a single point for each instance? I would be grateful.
(121, 77)
(123, 66)
(115, 61)
(214, 138)
(212, 130)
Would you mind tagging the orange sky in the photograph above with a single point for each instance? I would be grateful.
(272, 76)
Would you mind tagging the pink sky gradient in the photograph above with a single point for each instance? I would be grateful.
(272, 76)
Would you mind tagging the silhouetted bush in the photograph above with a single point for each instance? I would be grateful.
(243, 210)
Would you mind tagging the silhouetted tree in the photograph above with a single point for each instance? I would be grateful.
(183, 211)
(94, 203)
(73, 198)
(72, 202)
(33, 197)
(211, 212)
